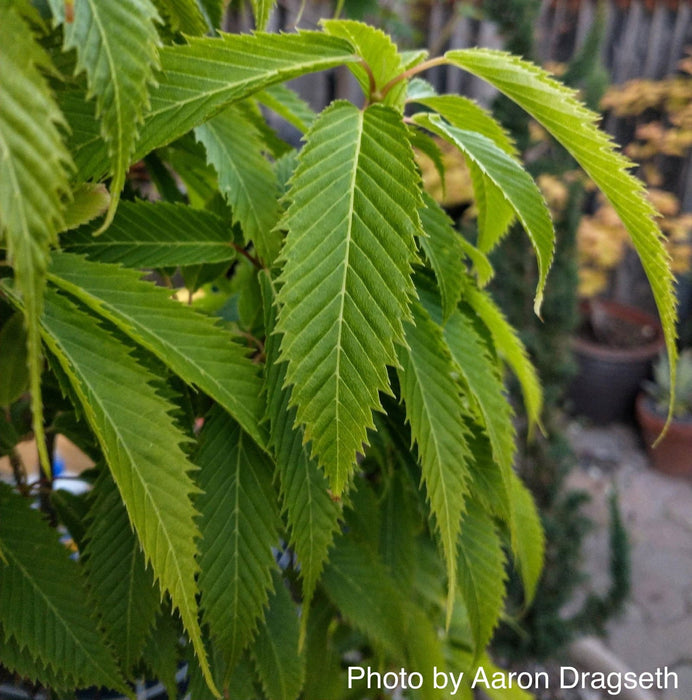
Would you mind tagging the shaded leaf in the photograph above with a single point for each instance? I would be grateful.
(141, 445)
(312, 516)
(128, 599)
(528, 538)
(34, 166)
(184, 16)
(116, 45)
(287, 104)
(280, 666)
(16, 660)
(510, 348)
(481, 574)
(147, 234)
(72, 510)
(444, 248)
(434, 410)
(235, 149)
(14, 371)
(240, 525)
(361, 588)
(191, 344)
(162, 651)
(42, 600)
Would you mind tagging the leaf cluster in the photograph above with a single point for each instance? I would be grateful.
(283, 362)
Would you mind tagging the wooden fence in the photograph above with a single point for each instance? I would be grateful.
(642, 38)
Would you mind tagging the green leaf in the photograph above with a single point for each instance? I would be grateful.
(200, 78)
(34, 166)
(16, 660)
(515, 184)
(464, 113)
(321, 652)
(574, 126)
(346, 279)
(280, 666)
(399, 525)
(88, 149)
(123, 587)
(528, 538)
(360, 586)
(443, 247)
(141, 445)
(42, 599)
(34, 162)
(426, 651)
(240, 525)
(510, 347)
(312, 516)
(380, 54)
(184, 16)
(262, 10)
(287, 104)
(88, 202)
(191, 344)
(434, 410)
(481, 375)
(13, 367)
(483, 268)
(490, 484)
(162, 651)
(116, 45)
(495, 213)
(235, 149)
(147, 234)
(214, 11)
(481, 574)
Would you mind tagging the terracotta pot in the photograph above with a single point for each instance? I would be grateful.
(608, 378)
(673, 455)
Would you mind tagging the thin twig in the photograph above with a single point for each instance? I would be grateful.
(18, 471)
(255, 261)
(373, 95)
(420, 68)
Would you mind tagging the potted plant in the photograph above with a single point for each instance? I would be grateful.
(614, 347)
(612, 365)
(671, 453)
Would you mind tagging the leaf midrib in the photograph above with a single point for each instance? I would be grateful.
(431, 428)
(343, 291)
(115, 83)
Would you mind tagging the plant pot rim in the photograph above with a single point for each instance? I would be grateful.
(671, 455)
(613, 354)
(645, 406)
